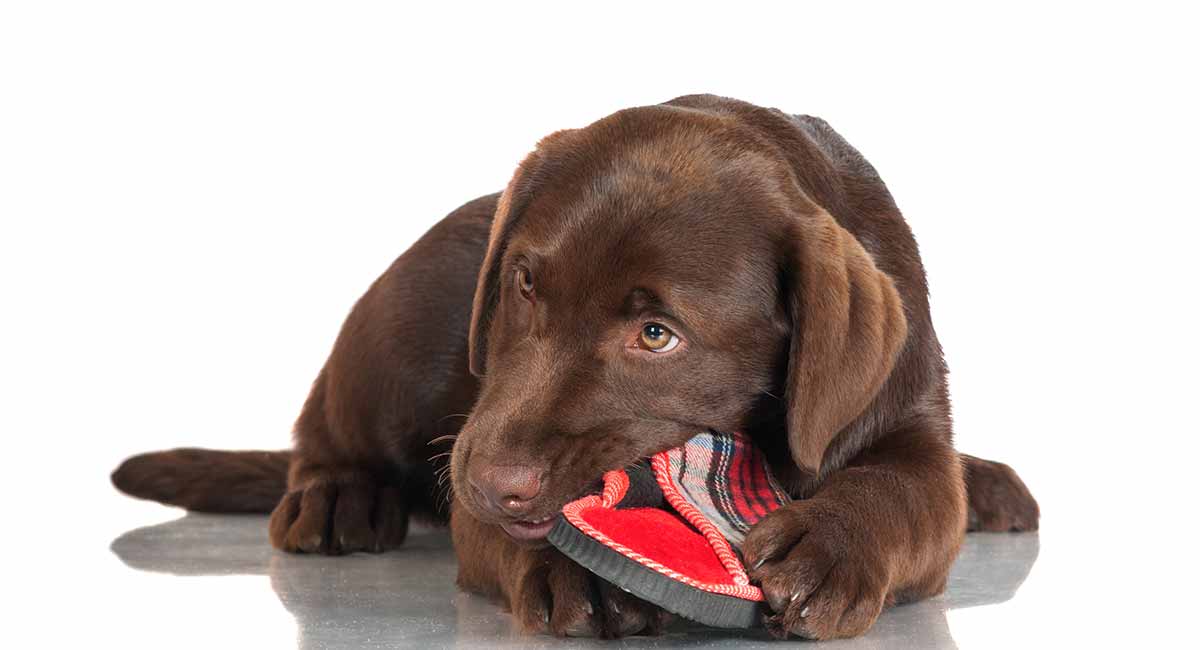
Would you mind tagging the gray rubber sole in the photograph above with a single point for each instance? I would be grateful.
(705, 607)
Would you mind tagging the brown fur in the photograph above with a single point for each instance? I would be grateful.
(775, 252)
(204, 480)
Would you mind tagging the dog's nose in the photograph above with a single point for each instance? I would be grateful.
(508, 488)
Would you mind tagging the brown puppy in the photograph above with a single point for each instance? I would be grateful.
(700, 264)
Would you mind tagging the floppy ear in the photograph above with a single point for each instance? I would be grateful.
(487, 289)
(848, 327)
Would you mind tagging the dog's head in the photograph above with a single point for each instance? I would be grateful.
(655, 274)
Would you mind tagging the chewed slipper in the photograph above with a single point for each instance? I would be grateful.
(669, 532)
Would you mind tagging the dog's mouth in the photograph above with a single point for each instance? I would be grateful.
(529, 531)
(536, 530)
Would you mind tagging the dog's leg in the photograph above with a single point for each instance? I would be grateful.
(396, 381)
(332, 510)
(884, 529)
(998, 498)
(546, 592)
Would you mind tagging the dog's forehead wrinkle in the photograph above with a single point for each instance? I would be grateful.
(663, 247)
(641, 299)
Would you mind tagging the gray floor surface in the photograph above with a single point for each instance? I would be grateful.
(407, 598)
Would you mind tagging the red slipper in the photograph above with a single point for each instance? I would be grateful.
(669, 532)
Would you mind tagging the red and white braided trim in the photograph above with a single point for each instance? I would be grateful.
(616, 483)
(729, 559)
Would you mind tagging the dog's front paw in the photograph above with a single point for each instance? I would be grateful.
(337, 514)
(556, 596)
(819, 571)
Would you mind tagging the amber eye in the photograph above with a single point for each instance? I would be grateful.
(525, 282)
(658, 338)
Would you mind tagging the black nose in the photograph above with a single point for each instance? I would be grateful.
(508, 489)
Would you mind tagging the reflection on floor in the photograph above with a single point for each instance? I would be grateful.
(408, 597)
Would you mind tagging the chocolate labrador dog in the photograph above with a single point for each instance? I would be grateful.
(704, 263)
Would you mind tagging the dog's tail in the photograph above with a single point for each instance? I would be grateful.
(205, 480)
(997, 498)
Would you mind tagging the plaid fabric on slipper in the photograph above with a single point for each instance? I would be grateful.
(668, 531)
(727, 479)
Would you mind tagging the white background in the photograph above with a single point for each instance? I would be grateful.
(192, 195)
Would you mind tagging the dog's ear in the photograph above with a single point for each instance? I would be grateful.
(487, 287)
(848, 328)
(508, 211)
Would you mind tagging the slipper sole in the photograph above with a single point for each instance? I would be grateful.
(715, 610)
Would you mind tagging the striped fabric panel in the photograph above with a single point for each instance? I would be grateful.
(728, 480)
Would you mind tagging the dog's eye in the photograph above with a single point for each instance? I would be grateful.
(656, 337)
(525, 282)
